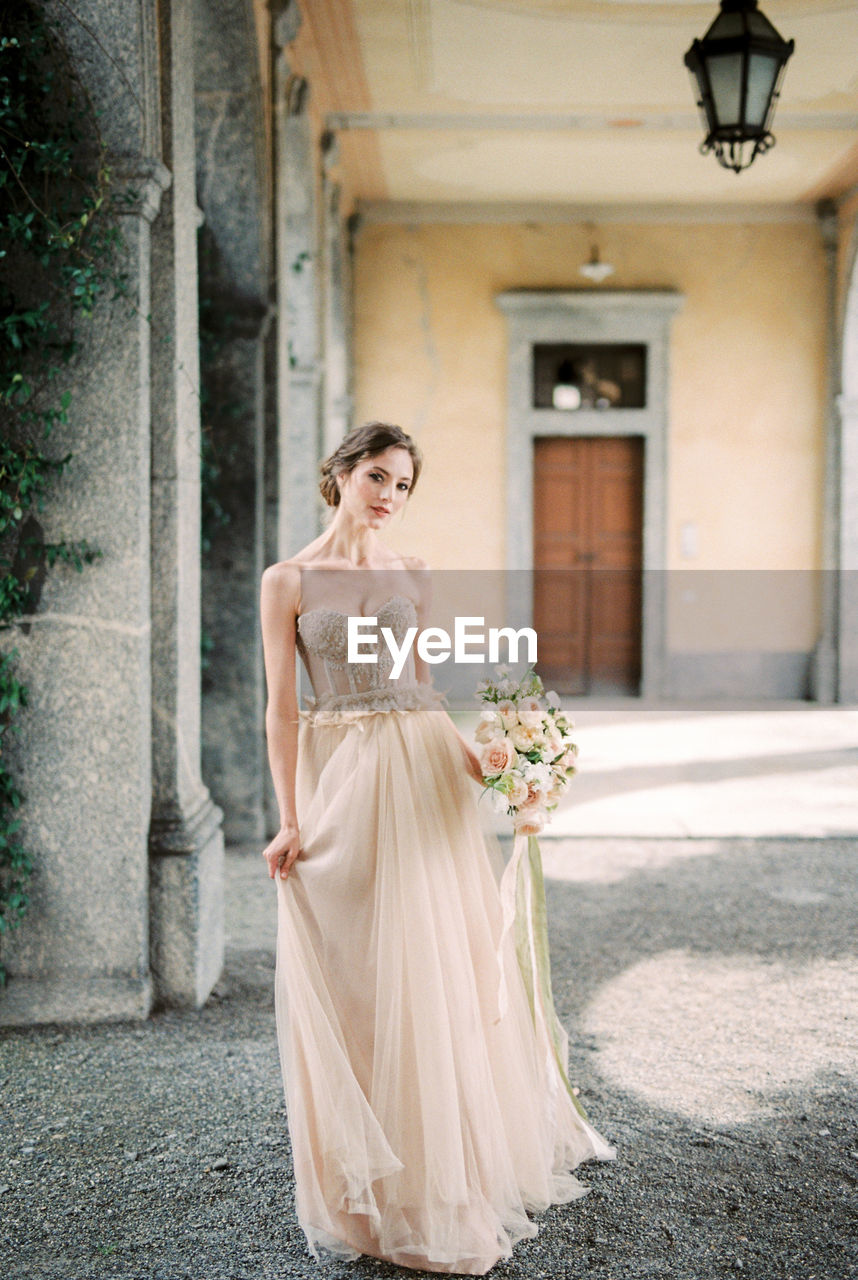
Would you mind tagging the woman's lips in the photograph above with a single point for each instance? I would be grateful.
(381, 511)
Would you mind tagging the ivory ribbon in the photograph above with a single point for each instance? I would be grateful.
(522, 891)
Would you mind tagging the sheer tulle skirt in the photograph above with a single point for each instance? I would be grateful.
(423, 1124)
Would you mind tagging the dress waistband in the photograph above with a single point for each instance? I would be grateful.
(343, 708)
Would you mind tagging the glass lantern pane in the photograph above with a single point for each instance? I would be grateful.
(727, 26)
(762, 74)
(725, 77)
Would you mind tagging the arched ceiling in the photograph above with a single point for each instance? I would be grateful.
(569, 102)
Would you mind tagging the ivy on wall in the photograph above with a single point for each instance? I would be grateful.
(60, 252)
(58, 259)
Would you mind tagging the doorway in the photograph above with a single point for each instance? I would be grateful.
(588, 562)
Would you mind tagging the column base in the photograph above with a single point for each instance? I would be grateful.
(29, 1002)
(186, 929)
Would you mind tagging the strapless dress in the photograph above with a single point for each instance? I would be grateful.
(425, 1119)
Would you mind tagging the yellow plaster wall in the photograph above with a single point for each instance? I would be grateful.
(747, 374)
(746, 412)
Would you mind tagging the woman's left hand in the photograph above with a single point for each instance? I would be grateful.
(472, 763)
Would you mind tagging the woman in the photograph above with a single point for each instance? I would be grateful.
(423, 1123)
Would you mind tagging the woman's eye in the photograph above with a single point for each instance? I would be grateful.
(373, 475)
(403, 486)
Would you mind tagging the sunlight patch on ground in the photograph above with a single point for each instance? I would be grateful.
(642, 737)
(607, 861)
(717, 1038)
(813, 803)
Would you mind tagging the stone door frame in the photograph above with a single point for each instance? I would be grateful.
(587, 315)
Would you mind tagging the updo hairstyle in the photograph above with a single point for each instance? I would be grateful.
(365, 442)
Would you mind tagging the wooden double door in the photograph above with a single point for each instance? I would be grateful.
(588, 562)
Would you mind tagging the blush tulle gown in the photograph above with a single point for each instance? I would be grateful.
(424, 1125)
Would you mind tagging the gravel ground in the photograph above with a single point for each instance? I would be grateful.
(710, 993)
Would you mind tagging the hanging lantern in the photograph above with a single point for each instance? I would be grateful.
(738, 66)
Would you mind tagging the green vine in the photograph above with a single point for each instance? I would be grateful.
(58, 254)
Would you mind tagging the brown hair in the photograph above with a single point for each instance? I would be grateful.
(365, 442)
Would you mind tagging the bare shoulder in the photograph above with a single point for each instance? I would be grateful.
(281, 584)
(414, 563)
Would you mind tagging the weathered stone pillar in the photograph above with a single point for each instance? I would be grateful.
(298, 312)
(234, 191)
(233, 747)
(185, 839)
(338, 403)
(84, 757)
(847, 690)
(825, 658)
(845, 497)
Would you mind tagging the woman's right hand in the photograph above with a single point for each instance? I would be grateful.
(281, 853)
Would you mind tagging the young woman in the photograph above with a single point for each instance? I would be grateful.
(424, 1122)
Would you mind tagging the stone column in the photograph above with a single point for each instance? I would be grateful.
(845, 496)
(185, 839)
(84, 756)
(234, 191)
(847, 690)
(298, 312)
(338, 403)
(233, 746)
(825, 659)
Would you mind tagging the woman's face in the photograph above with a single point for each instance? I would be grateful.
(377, 487)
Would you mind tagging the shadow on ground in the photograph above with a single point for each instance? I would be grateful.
(710, 998)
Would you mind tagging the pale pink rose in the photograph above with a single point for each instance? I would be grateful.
(518, 791)
(525, 738)
(536, 792)
(531, 712)
(569, 759)
(553, 746)
(496, 757)
(529, 821)
(507, 712)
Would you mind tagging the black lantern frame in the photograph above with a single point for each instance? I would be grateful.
(738, 66)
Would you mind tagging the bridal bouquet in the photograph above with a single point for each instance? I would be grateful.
(527, 758)
(527, 753)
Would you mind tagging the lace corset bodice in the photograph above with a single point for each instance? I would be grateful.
(338, 684)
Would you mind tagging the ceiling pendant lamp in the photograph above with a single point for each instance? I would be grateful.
(738, 67)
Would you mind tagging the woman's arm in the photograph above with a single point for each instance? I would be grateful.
(279, 605)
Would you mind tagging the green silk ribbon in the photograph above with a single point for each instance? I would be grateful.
(523, 900)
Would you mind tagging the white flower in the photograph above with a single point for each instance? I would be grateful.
(559, 783)
(517, 791)
(525, 739)
(537, 776)
(500, 804)
(489, 725)
(507, 712)
(531, 713)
